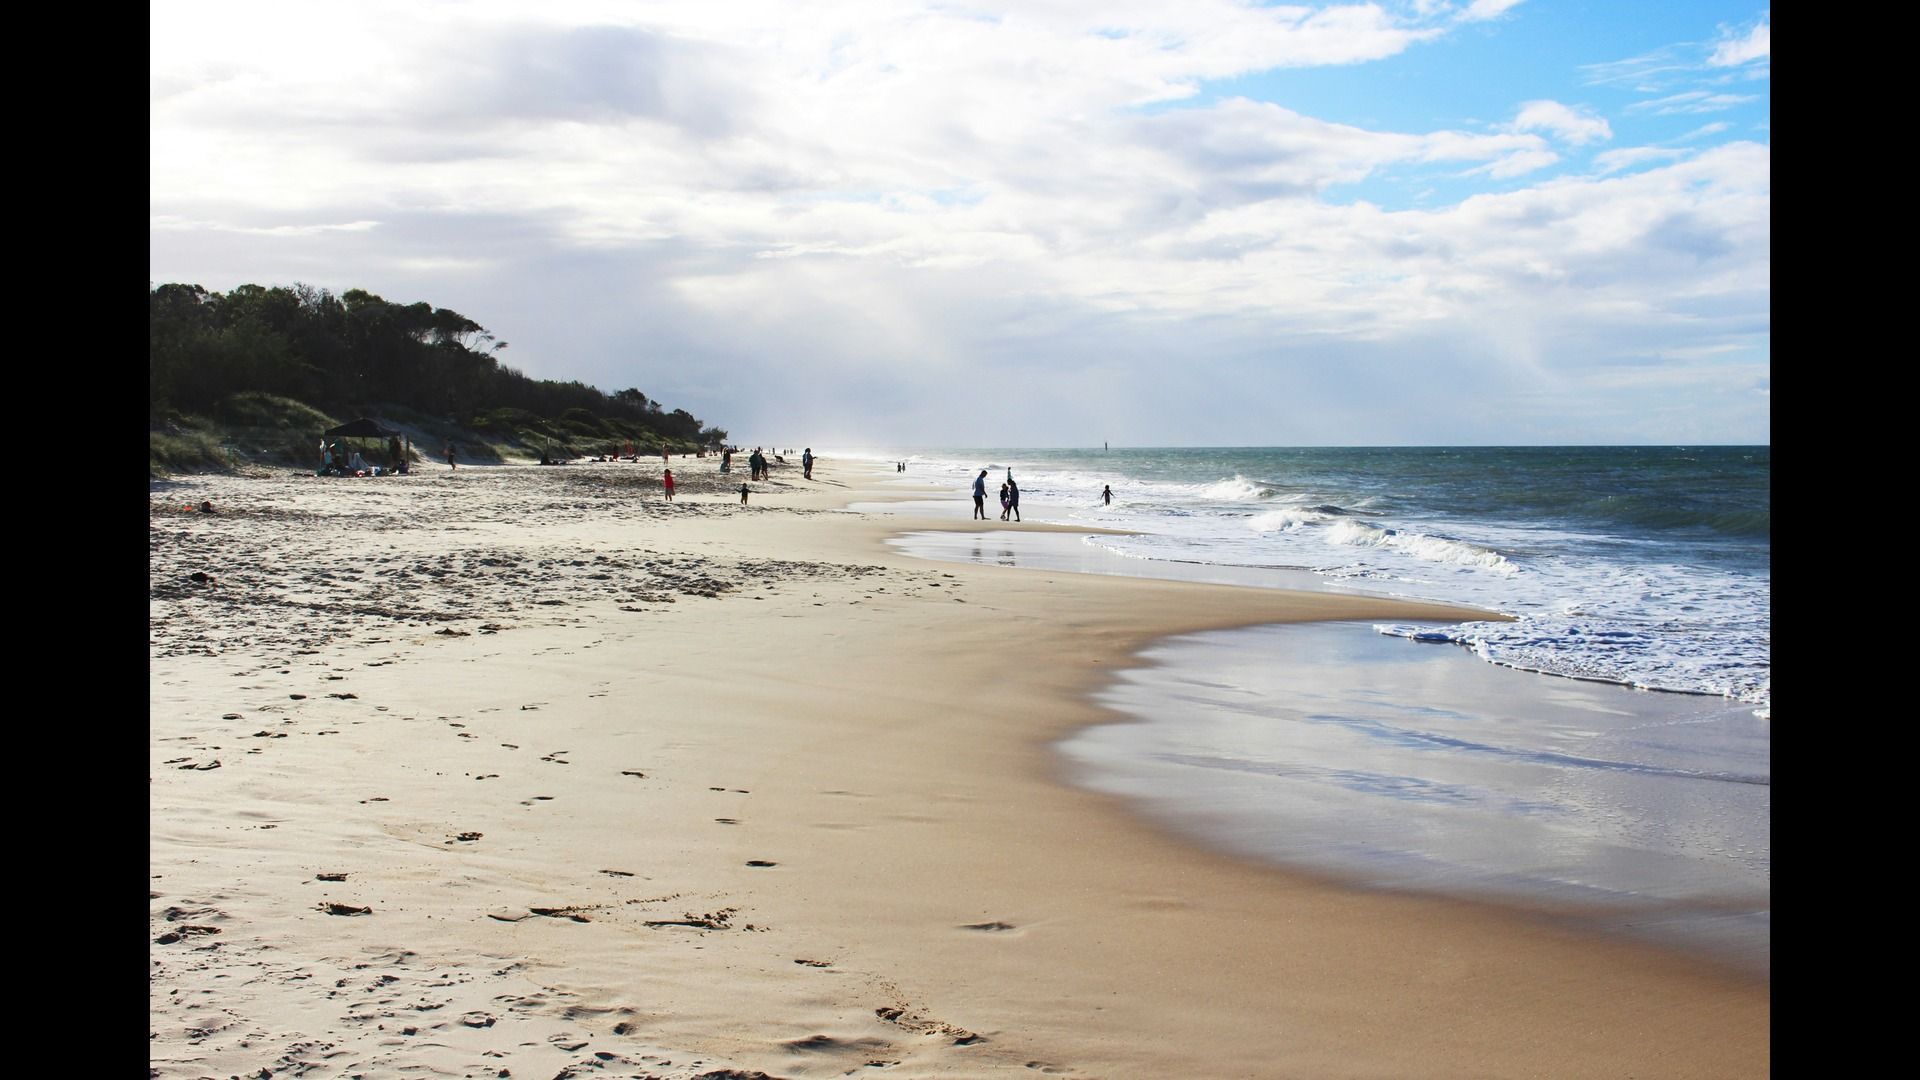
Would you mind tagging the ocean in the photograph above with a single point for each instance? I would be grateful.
(1537, 760)
(1646, 566)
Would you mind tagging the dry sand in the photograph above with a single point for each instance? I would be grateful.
(523, 772)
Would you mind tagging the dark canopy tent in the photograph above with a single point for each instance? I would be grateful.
(364, 428)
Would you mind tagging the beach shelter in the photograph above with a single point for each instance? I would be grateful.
(364, 428)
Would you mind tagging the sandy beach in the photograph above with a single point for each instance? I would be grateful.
(523, 771)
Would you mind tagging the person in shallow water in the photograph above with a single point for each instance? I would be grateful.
(1106, 495)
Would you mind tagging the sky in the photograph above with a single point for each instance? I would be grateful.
(1040, 223)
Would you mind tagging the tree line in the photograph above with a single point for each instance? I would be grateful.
(350, 354)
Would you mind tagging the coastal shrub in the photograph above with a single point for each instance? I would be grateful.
(581, 420)
(505, 421)
(266, 370)
(186, 452)
(256, 409)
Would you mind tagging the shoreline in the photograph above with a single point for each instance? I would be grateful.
(930, 857)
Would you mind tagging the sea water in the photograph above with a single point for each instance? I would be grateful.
(1546, 769)
(1646, 566)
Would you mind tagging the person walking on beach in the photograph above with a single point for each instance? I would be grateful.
(450, 463)
(743, 494)
(980, 495)
(1005, 505)
(1106, 495)
(667, 482)
(806, 464)
(1013, 496)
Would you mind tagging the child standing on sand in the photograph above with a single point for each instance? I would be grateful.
(667, 482)
(743, 494)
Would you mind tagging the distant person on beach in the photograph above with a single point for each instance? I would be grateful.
(1006, 501)
(980, 495)
(743, 494)
(450, 463)
(393, 452)
(1106, 495)
(667, 482)
(806, 464)
(726, 461)
(1013, 498)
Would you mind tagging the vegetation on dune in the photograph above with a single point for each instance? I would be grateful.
(257, 373)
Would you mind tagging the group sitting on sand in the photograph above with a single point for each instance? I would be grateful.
(337, 462)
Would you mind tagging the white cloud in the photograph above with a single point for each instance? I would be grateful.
(1612, 161)
(1516, 164)
(1481, 10)
(1692, 101)
(1578, 126)
(1705, 131)
(836, 188)
(1735, 48)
